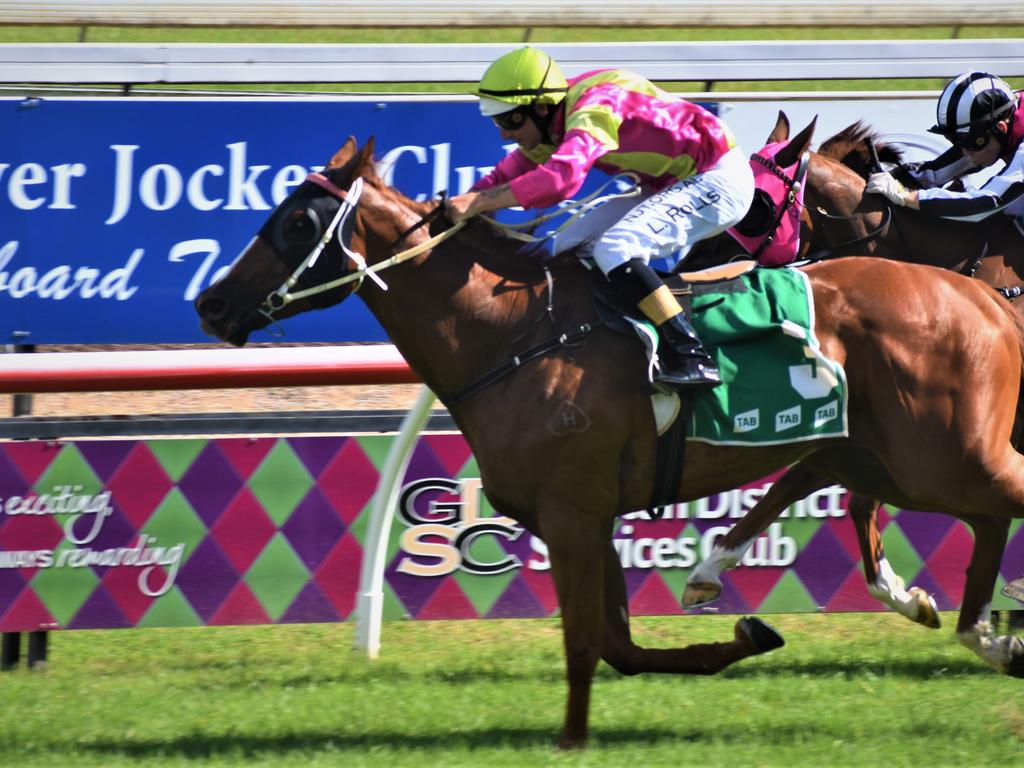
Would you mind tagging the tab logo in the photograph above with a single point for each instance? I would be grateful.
(787, 419)
(747, 421)
(826, 413)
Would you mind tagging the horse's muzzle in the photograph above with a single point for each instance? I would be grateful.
(215, 319)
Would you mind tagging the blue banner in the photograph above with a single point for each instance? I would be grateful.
(116, 213)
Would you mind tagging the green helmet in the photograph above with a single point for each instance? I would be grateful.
(524, 76)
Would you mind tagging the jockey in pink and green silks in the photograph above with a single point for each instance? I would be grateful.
(695, 182)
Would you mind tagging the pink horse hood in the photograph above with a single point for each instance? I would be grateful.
(779, 244)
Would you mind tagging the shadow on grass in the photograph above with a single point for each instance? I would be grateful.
(774, 667)
(922, 668)
(441, 741)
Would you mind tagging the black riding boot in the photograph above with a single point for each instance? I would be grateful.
(683, 361)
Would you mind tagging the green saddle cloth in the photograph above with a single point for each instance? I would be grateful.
(777, 386)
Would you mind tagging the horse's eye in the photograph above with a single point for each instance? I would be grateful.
(300, 228)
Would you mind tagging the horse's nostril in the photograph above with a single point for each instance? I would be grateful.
(212, 308)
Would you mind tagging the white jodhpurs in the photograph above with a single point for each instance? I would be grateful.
(664, 225)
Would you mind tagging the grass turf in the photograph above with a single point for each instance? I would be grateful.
(847, 690)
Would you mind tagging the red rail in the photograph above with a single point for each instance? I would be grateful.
(202, 369)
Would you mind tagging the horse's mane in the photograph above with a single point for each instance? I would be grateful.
(850, 147)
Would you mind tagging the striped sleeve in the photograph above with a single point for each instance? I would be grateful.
(999, 193)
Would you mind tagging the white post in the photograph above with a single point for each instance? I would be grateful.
(370, 597)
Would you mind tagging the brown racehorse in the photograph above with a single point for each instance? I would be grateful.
(837, 212)
(566, 441)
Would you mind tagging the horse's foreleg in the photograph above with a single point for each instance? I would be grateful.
(974, 628)
(576, 543)
(751, 637)
(705, 585)
(884, 584)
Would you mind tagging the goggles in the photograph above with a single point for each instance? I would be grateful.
(512, 120)
(972, 142)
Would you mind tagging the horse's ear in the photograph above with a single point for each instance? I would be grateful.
(343, 155)
(365, 160)
(800, 143)
(781, 130)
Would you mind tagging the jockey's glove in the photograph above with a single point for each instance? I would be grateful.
(885, 184)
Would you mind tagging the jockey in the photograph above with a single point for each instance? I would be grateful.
(984, 120)
(695, 182)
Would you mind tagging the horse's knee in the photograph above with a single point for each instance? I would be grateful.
(618, 650)
(621, 663)
(619, 656)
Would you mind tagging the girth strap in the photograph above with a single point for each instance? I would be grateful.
(670, 456)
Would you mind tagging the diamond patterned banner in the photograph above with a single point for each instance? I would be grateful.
(106, 534)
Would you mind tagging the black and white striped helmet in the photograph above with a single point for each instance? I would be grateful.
(971, 103)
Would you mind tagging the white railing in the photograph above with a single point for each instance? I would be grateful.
(523, 13)
(95, 63)
(151, 370)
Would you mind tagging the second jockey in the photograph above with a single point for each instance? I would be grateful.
(983, 119)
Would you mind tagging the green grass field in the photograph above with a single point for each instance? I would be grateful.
(847, 690)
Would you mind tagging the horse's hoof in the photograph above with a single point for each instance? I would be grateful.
(700, 593)
(1015, 589)
(762, 637)
(927, 611)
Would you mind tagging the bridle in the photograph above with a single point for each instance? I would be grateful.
(279, 298)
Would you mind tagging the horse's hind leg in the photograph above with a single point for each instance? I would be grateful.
(705, 585)
(884, 584)
(751, 637)
(974, 628)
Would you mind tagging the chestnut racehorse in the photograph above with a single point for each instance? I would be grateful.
(836, 212)
(565, 442)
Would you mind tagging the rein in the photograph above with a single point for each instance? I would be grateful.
(826, 253)
(576, 209)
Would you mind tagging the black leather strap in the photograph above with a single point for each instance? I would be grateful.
(517, 361)
(670, 455)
